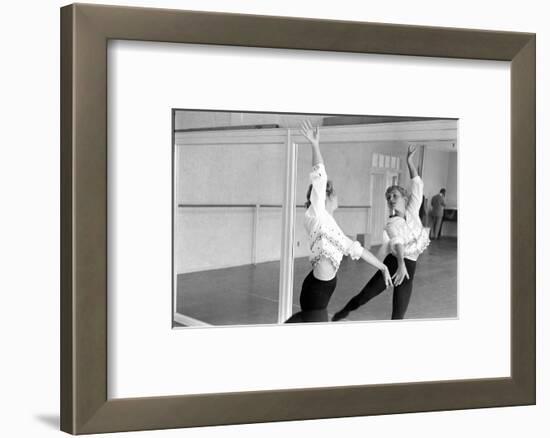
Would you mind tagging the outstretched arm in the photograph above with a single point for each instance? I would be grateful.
(318, 176)
(417, 186)
(356, 251)
(312, 135)
(370, 258)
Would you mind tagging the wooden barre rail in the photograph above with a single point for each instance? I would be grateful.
(256, 205)
(256, 213)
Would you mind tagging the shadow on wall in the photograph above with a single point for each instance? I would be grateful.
(50, 420)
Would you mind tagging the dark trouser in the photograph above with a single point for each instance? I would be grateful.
(376, 285)
(437, 221)
(314, 300)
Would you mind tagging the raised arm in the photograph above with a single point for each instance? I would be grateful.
(417, 186)
(312, 135)
(318, 175)
(413, 172)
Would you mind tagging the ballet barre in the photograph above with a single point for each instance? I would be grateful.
(256, 220)
(257, 205)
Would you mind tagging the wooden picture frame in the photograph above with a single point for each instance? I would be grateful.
(85, 31)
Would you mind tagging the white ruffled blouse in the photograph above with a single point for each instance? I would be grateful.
(326, 239)
(409, 231)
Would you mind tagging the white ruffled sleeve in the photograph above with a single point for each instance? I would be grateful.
(395, 232)
(318, 178)
(353, 248)
(417, 195)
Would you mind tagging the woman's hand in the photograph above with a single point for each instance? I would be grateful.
(400, 274)
(411, 151)
(311, 133)
(387, 276)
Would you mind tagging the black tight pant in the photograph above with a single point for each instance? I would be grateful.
(314, 299)
(376, 285)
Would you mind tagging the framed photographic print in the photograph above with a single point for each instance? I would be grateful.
(280, 197)
(253, 160)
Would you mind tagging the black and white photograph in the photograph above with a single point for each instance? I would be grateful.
(240, 219)
(285, 218)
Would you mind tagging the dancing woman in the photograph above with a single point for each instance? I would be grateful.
(405, 238)
(327, 241)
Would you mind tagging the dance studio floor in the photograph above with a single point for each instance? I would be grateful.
(249, 294)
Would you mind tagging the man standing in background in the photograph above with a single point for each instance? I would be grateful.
(438, 206)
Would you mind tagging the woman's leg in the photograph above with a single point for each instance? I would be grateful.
(315, 293)
(433, 221)
(402, 293)
(438, 222)
(375, 286)
(320, 315)
(314, 298)
(306, 286)
(297, 317)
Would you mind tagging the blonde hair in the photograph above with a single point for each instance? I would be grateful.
(404, 192)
